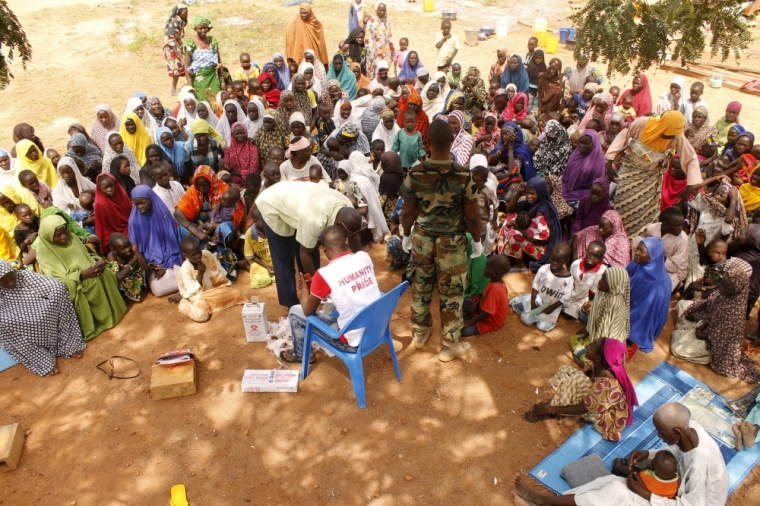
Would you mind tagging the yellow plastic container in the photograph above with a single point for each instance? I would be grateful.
(542, 37)
(552, 44)
(428, 5)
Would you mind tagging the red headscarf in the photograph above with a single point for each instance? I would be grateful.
(671, 188)
(111, 214)
(614, 354)
(509, 112)
(642, 101)
(273, 95)
(423, 122)
(192, 202)
(242, 157)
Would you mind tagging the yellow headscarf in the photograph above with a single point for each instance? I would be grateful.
(671, 123)
(141, 138)
(42, 168)
(201, 126)
(8, 220)
(750, 195)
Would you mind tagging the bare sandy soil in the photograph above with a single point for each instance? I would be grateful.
(441, 436)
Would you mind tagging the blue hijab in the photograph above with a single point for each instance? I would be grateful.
(520, 149)
(650, 295)
(730, 145)
(176, 155)
(749, 135)
(346, 78)
(407, 71)
(154, 233)
(545, 206)
(519, 78)
(283, 74)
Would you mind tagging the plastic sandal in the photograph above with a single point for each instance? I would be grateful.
(179, 496)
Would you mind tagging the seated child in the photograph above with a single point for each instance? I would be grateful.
(675, 243)
(586, 274)
(487, 136)
(488, 204)
(395, 255)
(39, 189)
(54, 156)
(583, 100)
(534, 144)
(627, 109)
(348, 298)
(203, 283)
(615, 92)
(131, 268)
(315, 174)
(393, 88)
(25, 233)
(661, 478)
(254, 90)
(257, 252)
(84, 218)
(717, 251)
(225, 210)
(750, 193)
(489, 312)
(225, 176)
(271, 174)
(743, 167)
(551, 288)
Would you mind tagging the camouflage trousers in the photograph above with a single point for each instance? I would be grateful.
(440, 259)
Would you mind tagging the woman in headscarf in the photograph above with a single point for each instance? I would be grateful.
(116, 147)
(386, 130)
(699, 131)
(125, 181)
(8, 168)
(174, 51)
(361, 173)
(34, 329)
(78, 128)
(233, 113)
(498, 67)
(719, 315)
(536, 241)
(362, 81)
(370, 118)
(462, 145)
(516, 74)
(288, 106)
(554, 185)
(433, 101)
(306, 99)
(24, 131)
(611, 232)
(615, 126)
(724, 123)
(241, 157)
(204, 148)
(554, 152)
(272, 134)
(378, 39)
(551, 90)
(193, 212)
(320, 73)
(601, 110)
(135, 136)
(205, 112)
(517, 108)
(512, 160)
(203, 60)
(644, 146)
(93, 289)
(304, 33)
(174, 151)
(642, 96)
(340, 72)
(610, 314)
(668, 100)
(390, 181)
(414, 103)
(474, 90)
(344, 113)
(576, 76)
(30, 157)
(354, 49)
(152, 230)
(283, 74)
(269, 89)
(87, 153)
(536, 66)
(584, 167)
(333, 94)
(454, 75)
(10, 197)
(650, 293)
(592, 206)
(71, 184)
(112, 207)
(606, 399)
(351, 138)
(411, 64)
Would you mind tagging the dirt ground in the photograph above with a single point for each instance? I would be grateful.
(447, 434)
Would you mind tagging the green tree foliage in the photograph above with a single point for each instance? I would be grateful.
(634, 35)
(12, 40)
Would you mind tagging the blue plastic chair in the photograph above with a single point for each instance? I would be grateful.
(375, 319)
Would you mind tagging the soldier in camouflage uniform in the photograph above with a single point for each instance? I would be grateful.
(441, 201)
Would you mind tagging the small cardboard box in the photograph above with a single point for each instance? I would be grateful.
(255, 321)
(11, 444)
(265, 380)
(168, 382)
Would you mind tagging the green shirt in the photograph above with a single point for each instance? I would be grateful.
(440, 189)
(476, 268)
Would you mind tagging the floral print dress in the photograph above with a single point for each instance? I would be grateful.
(512, 243)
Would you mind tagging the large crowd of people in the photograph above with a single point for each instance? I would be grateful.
(618, 202)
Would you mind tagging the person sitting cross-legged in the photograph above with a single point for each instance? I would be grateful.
(349, 280)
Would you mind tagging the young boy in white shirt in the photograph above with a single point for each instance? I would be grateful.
(349, 279)
(586, 274)
(447, 46)
(551, 288)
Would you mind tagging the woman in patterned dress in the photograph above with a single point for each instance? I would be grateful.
(378, 40)
(37, 320)
(174, 51)
(203, 60)
(605, 397)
